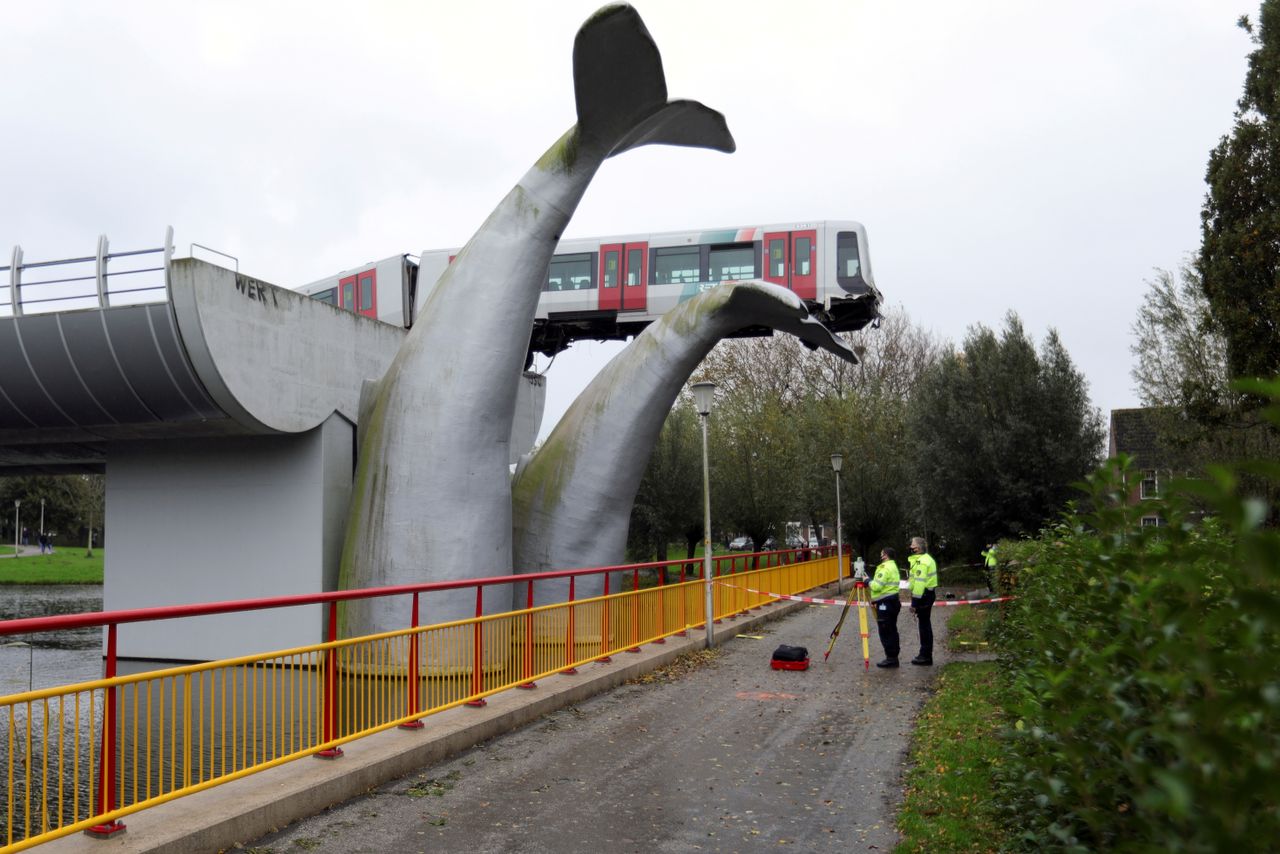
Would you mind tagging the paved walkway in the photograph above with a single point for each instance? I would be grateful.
(719, 755)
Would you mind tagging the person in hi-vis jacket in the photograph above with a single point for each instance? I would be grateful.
(887, 605)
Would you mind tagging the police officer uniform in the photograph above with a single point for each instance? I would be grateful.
(923, 572)
(884, 599)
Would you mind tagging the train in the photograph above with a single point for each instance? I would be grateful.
(610, 288)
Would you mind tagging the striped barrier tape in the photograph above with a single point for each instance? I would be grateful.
(813, 600)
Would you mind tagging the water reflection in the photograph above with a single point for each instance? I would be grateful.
(53, 658)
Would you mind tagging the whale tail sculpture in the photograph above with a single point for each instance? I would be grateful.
(432, 494)
(566, 512)
(623, 103)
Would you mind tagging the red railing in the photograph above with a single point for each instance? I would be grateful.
(723, 565)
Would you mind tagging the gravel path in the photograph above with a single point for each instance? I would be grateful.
(718, 753)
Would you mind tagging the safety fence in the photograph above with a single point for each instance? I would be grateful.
(81, 757)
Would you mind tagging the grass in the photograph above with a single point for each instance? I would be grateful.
(65, 566)
(949, 802)
(967, 629)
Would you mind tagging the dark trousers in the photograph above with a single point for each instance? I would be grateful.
(887, 611)
(924, 608)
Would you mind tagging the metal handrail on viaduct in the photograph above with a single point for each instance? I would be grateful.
(81, 757)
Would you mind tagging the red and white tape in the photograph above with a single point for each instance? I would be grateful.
(813, 600)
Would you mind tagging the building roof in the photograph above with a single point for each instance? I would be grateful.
(1136, 432)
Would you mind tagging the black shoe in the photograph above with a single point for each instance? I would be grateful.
(888, 662)
(923, 662)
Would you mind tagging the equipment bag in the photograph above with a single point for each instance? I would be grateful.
(790, 653)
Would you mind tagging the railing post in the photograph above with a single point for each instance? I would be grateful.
(604, 624)
(15, 282)
(635, 611)
(411, 682)
(477, 652)
(570, 646)
(684, 605)
(331, 689)
(528, 682)
(107, 766)
(100, 271)
(717, 571)
(662, 602)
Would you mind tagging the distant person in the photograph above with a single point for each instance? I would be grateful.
(44, 544)
(924, 581)
(989, 560)
(887, 604)
(26, 536)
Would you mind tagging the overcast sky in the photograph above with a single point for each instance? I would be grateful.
(1039, 157)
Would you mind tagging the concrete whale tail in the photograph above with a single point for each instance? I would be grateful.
(565, 512)
(621, 90)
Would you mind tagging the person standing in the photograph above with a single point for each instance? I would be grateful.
(923, 573)
(989, 558)
(884, 599)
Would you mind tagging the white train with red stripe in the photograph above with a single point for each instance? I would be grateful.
(612, 287)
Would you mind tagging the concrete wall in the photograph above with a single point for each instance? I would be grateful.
(216, 519)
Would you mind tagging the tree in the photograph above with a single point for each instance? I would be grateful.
(1239, 259)
(668, 502)
(1181, 355)
(1000, 434)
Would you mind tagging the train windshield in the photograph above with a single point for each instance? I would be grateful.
(848, 262)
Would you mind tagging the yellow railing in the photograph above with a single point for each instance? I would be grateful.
(185, 729)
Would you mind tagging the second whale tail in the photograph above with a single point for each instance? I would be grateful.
(621, 90)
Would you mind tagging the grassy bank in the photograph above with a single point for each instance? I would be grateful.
(65, 566)
(948, 804)
(967, 629)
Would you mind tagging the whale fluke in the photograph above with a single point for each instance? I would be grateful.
(572, 498)
(623, 104)
(432, 493)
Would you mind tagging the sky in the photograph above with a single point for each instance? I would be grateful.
(1041, 158)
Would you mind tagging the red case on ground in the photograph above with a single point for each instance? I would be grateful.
(789, 665)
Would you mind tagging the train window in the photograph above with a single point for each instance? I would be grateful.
(677, 265)
(611, 269)
(366, 292)
(349, 294)
(733, 263)
(330, 296)
(635, 266)
(804, 259)
(570, 273)
(848, 265)
(778, 259)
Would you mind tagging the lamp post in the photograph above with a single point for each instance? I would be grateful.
(17, 528)
(837, 460)
(704, 396)
(42, 515)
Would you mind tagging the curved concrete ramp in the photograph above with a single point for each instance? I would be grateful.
(229, 355)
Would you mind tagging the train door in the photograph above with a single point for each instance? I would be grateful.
(804, 263)
(624, 276)
(611, 277)
(359, 293)
(791, 260)
(635, 277)
(777, 257)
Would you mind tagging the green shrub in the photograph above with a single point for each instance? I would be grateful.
(1144, 676)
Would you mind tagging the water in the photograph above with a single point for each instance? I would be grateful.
(53, 658)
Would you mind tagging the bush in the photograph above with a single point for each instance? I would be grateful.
(1144, 676)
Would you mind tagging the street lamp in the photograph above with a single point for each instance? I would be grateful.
(704, 396)
(42, 515)
(837, 460)
(17, 528)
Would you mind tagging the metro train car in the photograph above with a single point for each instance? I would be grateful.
(612, 287)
